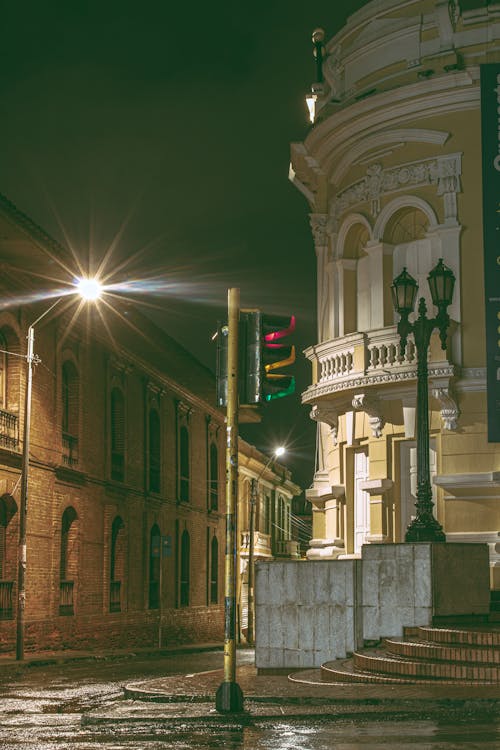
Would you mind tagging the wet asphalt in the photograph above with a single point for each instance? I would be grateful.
(81, 705)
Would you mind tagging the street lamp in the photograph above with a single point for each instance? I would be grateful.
(88, 289)
(253, 500)
(424, 527)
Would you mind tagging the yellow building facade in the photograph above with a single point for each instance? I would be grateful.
(391, 170)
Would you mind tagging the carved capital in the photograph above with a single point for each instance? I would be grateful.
(372, 407)
(328, 416)
(450, 411)
(319, 228)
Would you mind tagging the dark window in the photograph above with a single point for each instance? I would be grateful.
(184, 464)
(68, 561)
(154, 568)
(154, 451)
(116, 565)
(185, 564)
(214, 571)
(70, 406)
(117, 435)
(213, 482)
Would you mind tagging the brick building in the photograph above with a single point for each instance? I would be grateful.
(125, 519)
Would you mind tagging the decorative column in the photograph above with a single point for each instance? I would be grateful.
(380, 511)
(320, 235)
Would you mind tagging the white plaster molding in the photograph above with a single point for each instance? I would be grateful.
(442, 171)
(472, 379)
(351, 220)
(482, 480)
(325, 549)
(376, 486)
(398, 136)
(318, 390)
(450, 411)
(327, 415)
(319, 229)
(371, 406)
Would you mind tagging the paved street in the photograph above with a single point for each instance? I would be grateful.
(81, 705)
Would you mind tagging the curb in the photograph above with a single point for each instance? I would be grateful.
(61, 657)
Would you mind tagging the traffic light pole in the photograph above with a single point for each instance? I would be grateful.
(229, 697)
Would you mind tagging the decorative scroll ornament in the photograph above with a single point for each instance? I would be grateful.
(450, 411)
(319, 228)
(329, 417)
(371, 407)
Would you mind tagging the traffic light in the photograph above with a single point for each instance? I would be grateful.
(260, 354)
(275, 356)
(249, 355)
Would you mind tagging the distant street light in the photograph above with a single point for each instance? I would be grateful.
(88, 289)
(424, 527)
(253, 500)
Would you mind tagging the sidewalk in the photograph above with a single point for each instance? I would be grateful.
(191, 697)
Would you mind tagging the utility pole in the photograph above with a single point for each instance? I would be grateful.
(229, 697)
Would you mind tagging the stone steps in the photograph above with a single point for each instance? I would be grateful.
(452, 656)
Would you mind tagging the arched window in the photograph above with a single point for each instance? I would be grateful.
(8, 550)
(214, 571)
(154, 567)
(185, 569)
(117, 435)
(70, 409)
(184, 464)
(356, 283)
(117, 563)
(3, 372)
(154, 451)
(9, 389)
(68, 570)
(213, 481)
(407, 231)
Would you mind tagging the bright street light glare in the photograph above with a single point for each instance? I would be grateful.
(89, 289)
(280, 451)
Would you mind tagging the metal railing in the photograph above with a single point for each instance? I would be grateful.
(6, 609)
(115, 596)
(70, 449)
(66, 604)
(9, 430)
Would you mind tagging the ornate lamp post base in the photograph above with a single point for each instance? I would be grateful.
(425, 528)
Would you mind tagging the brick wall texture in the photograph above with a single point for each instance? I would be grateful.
(93, 576)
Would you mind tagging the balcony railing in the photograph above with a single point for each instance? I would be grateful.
(154, 595)
(117, 466)
(70, 449)
(286, 548)
(361, 359)
(115, 596)
(6, 609)
(9, 430)
(66, 605)
(261, 543)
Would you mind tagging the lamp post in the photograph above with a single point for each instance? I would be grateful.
(253, 500)
(89, 289)
(424, 527)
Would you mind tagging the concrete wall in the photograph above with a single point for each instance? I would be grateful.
(306, 612)
(311, 612)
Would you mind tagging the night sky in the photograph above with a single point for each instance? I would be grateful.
(162, 131)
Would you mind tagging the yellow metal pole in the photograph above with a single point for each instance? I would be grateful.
(229, 697)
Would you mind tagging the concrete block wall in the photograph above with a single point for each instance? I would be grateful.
(311, 612)
(305, 612)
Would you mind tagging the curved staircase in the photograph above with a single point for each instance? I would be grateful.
(424, 655)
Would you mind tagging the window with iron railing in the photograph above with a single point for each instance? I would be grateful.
(154, 451)
(9, 430)
(117, 435)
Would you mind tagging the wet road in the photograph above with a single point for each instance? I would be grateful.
(42, 709)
